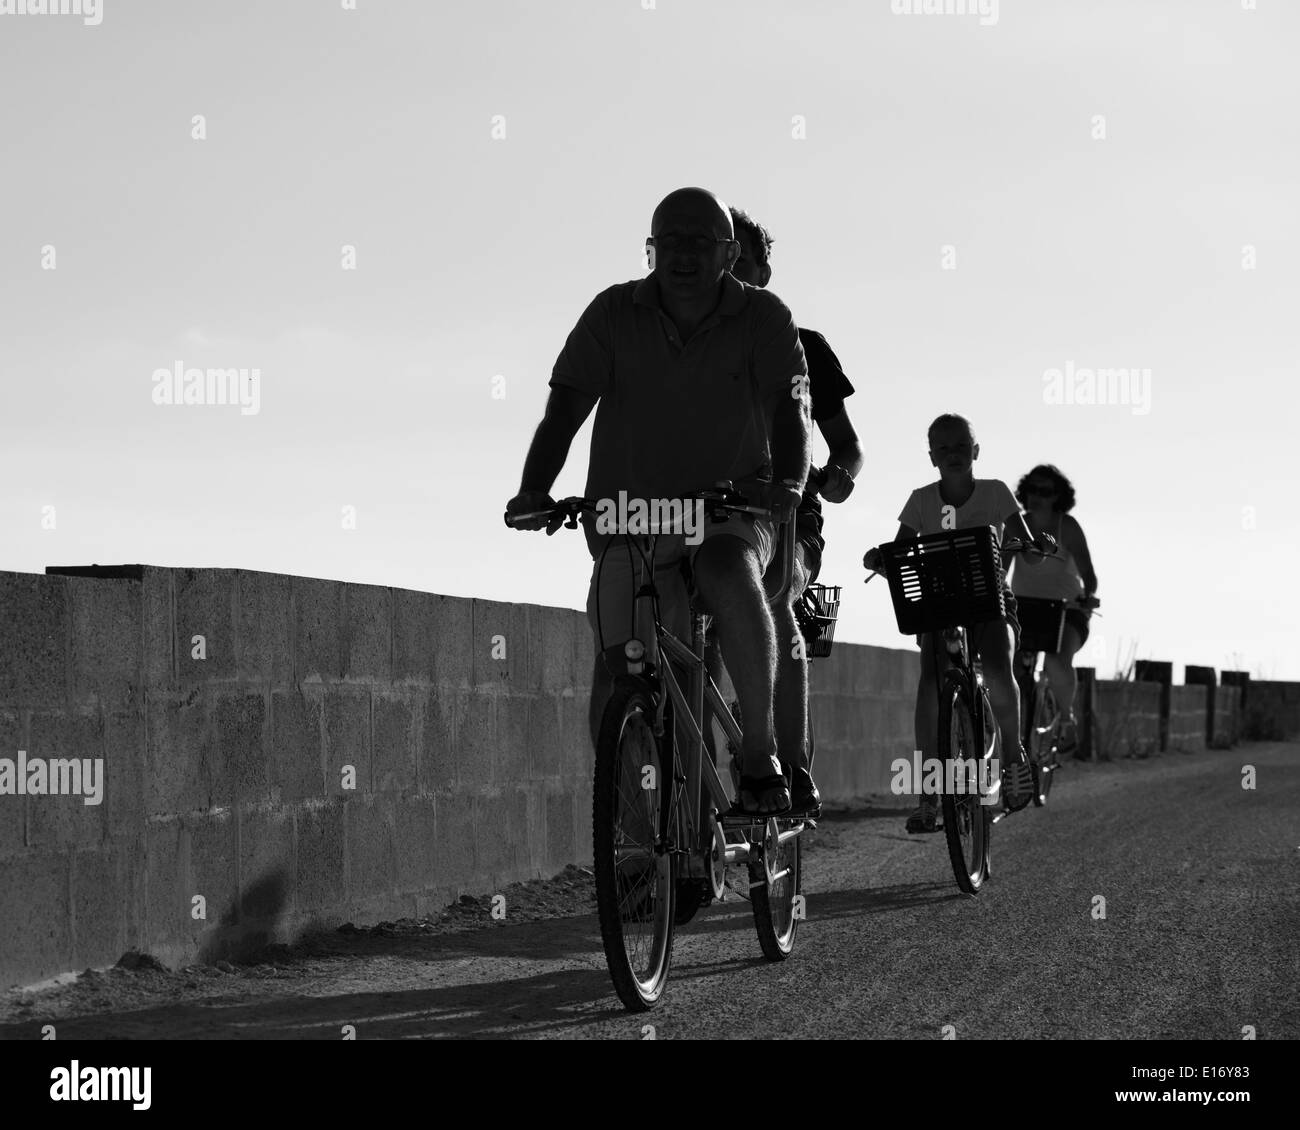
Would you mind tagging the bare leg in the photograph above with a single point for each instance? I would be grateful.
(731, 588)
(790, 701)
(1060, 671)
(995, 653)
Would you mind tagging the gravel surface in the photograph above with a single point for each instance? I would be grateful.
(1201, 937)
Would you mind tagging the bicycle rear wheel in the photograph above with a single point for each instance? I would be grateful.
(776, 889)
(631, 811)
(964, 819)
(1044, 735)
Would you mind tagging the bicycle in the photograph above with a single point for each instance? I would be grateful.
(940, 585)
(1042, 624)
(663, 820)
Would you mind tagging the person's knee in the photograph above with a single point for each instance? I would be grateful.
(726, 570)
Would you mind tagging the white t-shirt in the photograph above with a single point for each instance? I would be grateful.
(990, 504)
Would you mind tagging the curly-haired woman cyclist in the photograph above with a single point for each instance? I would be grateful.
(1047, 497)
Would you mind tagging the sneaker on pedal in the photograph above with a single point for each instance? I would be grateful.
(922, 820)
(1017, 786)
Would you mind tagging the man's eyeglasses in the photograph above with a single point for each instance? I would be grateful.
(699, 244)
(1040, 489)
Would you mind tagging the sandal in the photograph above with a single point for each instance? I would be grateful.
(757, 787)
(805, 800)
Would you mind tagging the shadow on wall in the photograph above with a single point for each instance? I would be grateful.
(249, 923)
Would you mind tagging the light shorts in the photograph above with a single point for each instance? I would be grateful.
(618, 573)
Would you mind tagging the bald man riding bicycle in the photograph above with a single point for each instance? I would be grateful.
(695, 378)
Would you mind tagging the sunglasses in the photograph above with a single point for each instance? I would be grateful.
(1041, 489)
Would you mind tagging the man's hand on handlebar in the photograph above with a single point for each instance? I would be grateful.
(533, 502)
(783, 501)
(837, 484)
(874, 560)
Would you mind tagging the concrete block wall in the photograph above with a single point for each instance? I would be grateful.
(345, 752)
(1127, 718)
(1272, 710)
(863, 701)
(342, 752)
(1187, 718)
(1227, 716)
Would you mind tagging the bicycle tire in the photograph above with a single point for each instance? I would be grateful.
(777, 906)
(631, 898)
(1045, 730)
(964, 820)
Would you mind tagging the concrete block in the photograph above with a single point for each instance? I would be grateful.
(1187, 717)
(501, 627)
(124, 775)
(456, 862)
(416, 843)
(347, 740)
(106, 641)
(545, 737)
(577, 755)
(59, 822)
(394, 741)
(35, 923)
(369, 823)
(500, 835)
(318, 630)
(367, 636)
(436, 756)
(318, 857)
(178, 775)
(157, 630)
(584, 652)
(35, 626)
(237, 741)
(106, 899)
(432, 638)
(265, 626)
(13, 806)
(582, 821)
(212, 856)
(205, 606)
(167, 888)
(553, 650)
(265, 865)
(476, 738)
(296, 756)
(561, 831)
(515, 737)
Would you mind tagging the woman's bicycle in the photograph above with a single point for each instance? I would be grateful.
(1042, 624)
(941, 584)
(664, 826)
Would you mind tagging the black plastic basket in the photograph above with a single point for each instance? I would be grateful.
(944, 580)
(1042, 623)
(817, 611)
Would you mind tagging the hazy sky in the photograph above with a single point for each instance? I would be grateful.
(475, 255)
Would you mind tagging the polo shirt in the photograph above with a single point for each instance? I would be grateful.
(675, 416)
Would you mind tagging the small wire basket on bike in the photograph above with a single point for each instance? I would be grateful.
(1042, 623)
(945, 579)
(817, 610)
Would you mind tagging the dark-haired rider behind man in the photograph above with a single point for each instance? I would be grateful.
(828, 388)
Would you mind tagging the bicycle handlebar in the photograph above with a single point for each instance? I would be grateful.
(723, 497)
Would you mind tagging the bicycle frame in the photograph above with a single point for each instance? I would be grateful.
(696, 771)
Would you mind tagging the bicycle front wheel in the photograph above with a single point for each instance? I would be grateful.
(964, 823)
(635, 888)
